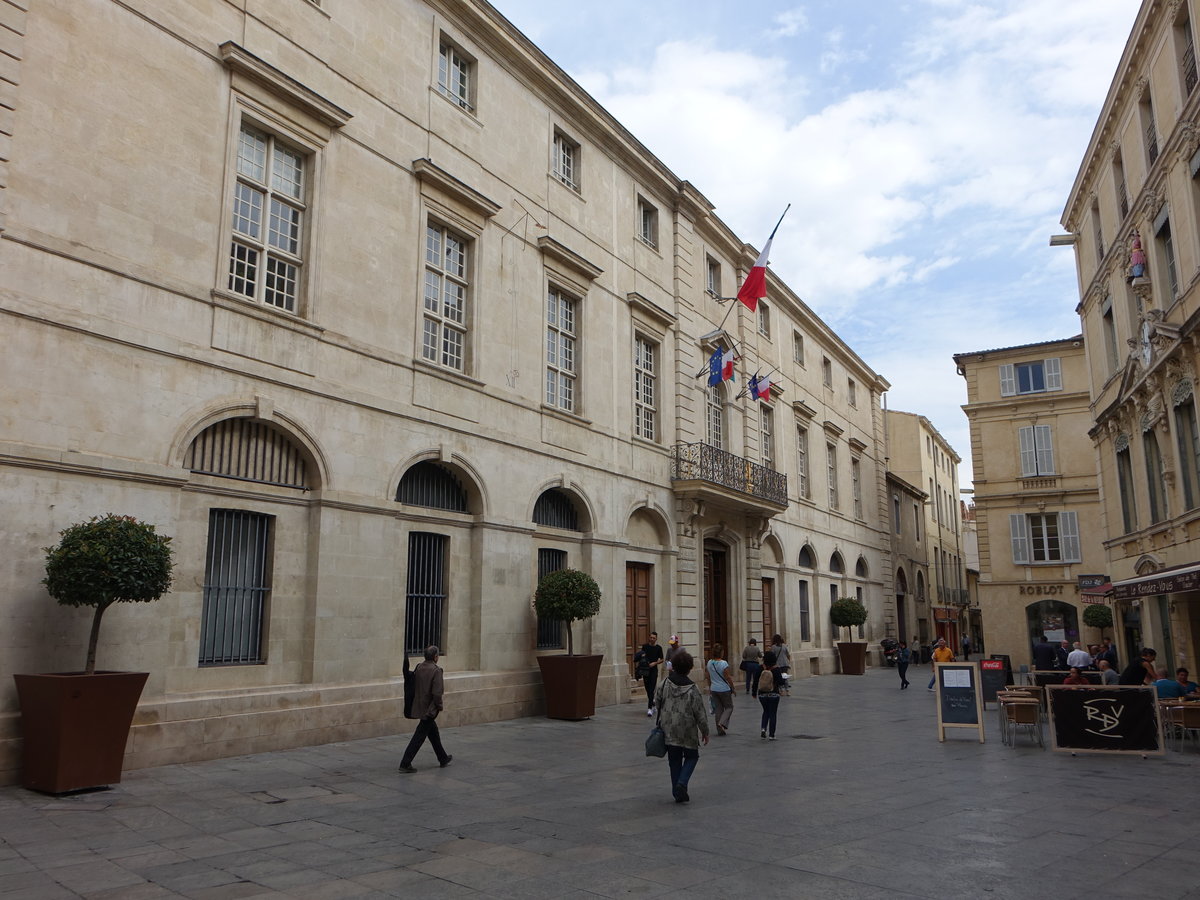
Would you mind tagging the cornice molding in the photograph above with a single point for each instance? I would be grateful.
(428, 172)
(240, 60)
(565, 256)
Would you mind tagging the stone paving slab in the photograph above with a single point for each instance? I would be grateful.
(861, 797)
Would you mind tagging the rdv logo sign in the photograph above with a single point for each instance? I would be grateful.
(1105, 715)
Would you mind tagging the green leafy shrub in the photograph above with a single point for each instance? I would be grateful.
(1097, 615)
(846, 612)
(566, 596)
(106, 560)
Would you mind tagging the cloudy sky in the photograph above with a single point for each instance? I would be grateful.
(927, 148)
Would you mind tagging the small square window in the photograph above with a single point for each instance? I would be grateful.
(647, 223)
(565, 163)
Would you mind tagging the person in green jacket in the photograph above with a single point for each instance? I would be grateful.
(681, 716)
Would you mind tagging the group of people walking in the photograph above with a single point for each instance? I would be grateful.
(679, 706)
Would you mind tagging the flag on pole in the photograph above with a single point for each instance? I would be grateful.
(760, 388)
(755, 286)
(720, 366)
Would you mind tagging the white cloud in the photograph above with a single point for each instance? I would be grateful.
(788, 23)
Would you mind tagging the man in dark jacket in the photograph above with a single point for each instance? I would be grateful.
(1043, 654)
(427, 703)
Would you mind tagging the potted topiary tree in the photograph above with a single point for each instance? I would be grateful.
(846, 612)
(1097, 615)
(566, 596)
(76, 724)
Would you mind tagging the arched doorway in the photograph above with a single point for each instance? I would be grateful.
(716, 595)
(901, 612)
(1056, 620)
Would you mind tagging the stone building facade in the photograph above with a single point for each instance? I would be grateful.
(910, 559)
(1038, 518)
(1133, 217)
(381, 316)
(919, 454)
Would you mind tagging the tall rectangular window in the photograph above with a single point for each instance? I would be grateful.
(444, 323)
(560, 350)
(1188, 438)
(1109, 325)
(827, 372)
(856, 487)
(1186, 50)
(833, 596)
(550, 631)
(917, 521)
(1037, 453)
(647, 222)
(1166, 247)
(645, 406)
(1149, 129)
(797, 348)
(766, 435)
(266, 253)
(805, 613)
(1154, 477)
(1125, 487)
(712, 277)
(851, 392)
(237, 583)
(455, 75)
(714, 416)
(764, 319)
(802, 461)
(566, 160)
(1119, 184)
(425, 597)
(831, 473)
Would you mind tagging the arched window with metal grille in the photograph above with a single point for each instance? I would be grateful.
(556, 508)
(249, 450)
(433, 486)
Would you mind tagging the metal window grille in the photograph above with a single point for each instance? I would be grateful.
(425, 597)
(1188, 62)
(550, 631)
(556, 509)
(237, 580)
(248, 450)
(431, 485)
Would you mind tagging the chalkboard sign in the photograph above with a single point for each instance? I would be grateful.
(1008, 672)
(958, 697)
(994, 675)
(1112, 719)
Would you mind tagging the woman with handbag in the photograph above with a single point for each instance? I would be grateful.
(720, 687)
(681, 716)
(768, 694)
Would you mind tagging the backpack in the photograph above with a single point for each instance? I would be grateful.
(766, 682)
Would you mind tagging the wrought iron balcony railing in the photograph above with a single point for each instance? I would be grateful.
(705, 462)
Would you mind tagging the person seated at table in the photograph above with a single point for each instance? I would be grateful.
(1075, 677)
(1108, 675)
(1190, 688)
(1168, 688)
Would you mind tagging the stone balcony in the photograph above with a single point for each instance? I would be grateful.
(703, 472)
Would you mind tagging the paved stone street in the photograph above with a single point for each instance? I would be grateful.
(856, 799)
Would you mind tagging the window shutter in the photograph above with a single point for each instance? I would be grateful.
(1053, 368)
(1020, 538)
(1045, 450)
(1008, 381)
(1068, 529)
(1028, 452)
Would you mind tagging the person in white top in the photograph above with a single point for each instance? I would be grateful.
(1079, 657)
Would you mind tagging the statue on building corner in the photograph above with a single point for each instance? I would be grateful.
(1137, 258)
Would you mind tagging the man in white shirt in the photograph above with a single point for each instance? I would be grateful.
(1079, 657)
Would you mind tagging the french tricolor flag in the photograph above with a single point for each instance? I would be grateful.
(720, 366)
(755, 286)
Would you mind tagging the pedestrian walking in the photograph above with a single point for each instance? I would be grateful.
(681, 716)
(752, 665)
(783, 664)
(768, 695)
(966, 646)
(719, 676)
(427, 703)
(903, 658)
(941, 653)
(648, 666)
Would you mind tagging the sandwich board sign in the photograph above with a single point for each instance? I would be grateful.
(959, 698)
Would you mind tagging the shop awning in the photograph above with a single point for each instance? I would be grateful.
(1164, 581)
(1097, 594)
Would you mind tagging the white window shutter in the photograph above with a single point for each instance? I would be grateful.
(1053, 368)
(1020, 538)
(1028, 451)
(1008, 381)
(1045, 450)
(1068, 530)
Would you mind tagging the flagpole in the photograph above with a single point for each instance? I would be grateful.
(780, 222)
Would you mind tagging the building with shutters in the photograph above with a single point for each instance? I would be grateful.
(381, 317)
(1133, 218)
(1039, 523)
